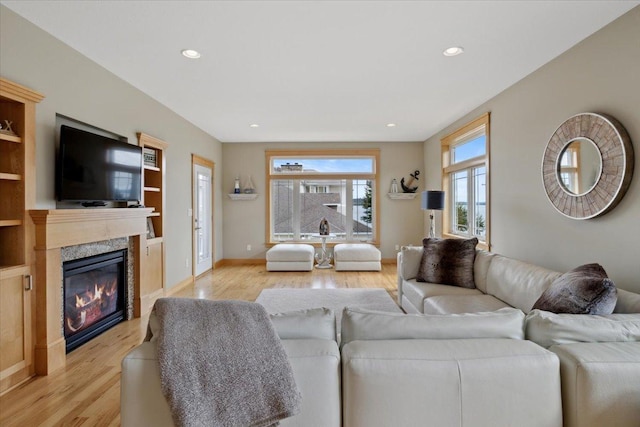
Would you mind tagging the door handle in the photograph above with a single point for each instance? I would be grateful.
(29, 285)
(197, 228)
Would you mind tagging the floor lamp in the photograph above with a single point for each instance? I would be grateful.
(433, 201)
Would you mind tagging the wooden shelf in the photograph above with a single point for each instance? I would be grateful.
(20, 330)
(10, 176)
(152, 189)
(7, 268)
(10, 138)
(154, 214)
(402, 196)
(151, 168)
(241, 196)
(155, 240)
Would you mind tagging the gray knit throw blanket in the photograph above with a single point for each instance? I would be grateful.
(222, 364)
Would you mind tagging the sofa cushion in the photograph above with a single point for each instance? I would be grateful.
(481, 269)
(457, 304)
(547, 329)
(410, 257)
(583, 290)
(315, 323)
(363, 324)
(448, 262)
(628, 302)
(416, 292)
(517, 283)
(600, 383)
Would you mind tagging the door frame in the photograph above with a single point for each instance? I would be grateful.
(201, 161)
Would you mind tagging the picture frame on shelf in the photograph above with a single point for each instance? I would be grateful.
(151, 233)
(149, 156)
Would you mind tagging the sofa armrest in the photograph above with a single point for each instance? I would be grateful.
(408, 265)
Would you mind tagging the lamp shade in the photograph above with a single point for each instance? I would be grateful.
(433, 200)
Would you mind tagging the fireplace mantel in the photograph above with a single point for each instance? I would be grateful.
(57, 228)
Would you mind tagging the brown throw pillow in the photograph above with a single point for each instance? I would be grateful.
(448, 262)
(583, 290)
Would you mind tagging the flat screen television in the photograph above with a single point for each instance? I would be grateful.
(94, 168)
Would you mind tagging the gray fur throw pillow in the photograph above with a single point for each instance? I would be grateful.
(583, 290)
(448, 262)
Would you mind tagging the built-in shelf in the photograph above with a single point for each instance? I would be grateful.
(10, 222)
(242, 196)
(10, 138)
(151, 168)
(402, 196)
(154, 240)
(152, 189)
(10, 176)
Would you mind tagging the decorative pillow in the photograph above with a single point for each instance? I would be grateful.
(316, 323)
(448, 262)
(360, 324)
(547, 329)
(583, 290)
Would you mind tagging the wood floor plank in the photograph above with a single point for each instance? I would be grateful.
(86, 392)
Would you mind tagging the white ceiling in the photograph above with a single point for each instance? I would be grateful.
(321, 70)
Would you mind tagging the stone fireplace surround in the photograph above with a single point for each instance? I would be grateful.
(63, 228)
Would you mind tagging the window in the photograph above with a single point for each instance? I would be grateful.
(305, 187)
(465, 179)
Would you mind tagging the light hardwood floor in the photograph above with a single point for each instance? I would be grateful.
(87, 391)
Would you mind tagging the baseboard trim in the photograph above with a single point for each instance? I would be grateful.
(389, 260)
(180, 286)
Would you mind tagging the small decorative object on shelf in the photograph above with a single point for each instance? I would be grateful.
(249, 188)
(324, 227)
(151, 233)
(6, 128)
(236, 186)
(407, 187)
(394, 186)
(149, 155)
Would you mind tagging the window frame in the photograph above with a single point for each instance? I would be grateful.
(460, 136)
(374, 176)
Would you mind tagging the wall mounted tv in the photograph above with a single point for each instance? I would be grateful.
(95, 169)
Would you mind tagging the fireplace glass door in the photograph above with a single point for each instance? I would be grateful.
(94, 297)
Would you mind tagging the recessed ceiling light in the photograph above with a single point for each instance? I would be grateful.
(254, 125)
(453, 51)
(190, 53)
(391, 125)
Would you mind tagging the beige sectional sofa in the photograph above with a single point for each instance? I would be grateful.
(392, 369)
(599, 355)
(479, 357)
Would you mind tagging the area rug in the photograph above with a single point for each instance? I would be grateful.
(283, 300)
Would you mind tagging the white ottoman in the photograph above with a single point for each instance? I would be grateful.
(357, 257)
(290, 257)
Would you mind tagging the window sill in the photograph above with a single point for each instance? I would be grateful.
(481, 244)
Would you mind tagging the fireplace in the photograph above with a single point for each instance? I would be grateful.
(94, 296)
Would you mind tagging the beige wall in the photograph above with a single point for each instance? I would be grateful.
(77, 87)
(401, 221)
(601, 74)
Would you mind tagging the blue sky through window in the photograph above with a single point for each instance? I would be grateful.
(470, 149)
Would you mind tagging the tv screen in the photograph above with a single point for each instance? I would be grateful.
(92, 168)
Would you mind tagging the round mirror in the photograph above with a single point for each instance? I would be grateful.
(587, 165)
(579, 166)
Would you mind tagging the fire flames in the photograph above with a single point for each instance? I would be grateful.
(92, 305)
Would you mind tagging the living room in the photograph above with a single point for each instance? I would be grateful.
(598, 74)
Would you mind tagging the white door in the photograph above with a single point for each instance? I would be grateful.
(202, 219)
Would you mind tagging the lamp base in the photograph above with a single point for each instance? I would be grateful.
(432, 233)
